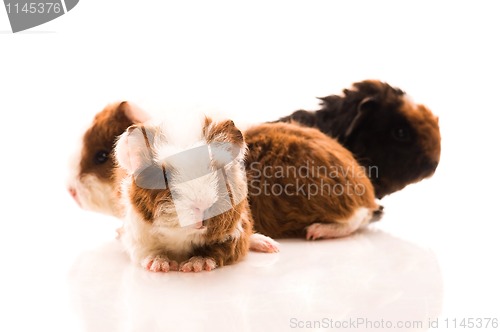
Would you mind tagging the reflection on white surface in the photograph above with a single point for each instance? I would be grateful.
(371, 275)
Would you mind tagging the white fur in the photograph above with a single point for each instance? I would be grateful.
(91, 193)
(195, 196)
(238, 231)
(262, 243)
(360, 218)
(409, 101)
(182, 137)
(235, 174)
(94, 195)
(142, 239)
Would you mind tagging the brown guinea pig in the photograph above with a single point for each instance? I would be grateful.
(185, 199)
(303, 182)
(398, 142)
(92, 183)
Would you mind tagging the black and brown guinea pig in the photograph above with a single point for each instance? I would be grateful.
(397, 141)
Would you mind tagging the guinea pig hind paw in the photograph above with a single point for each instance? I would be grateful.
(159, 264)
(198, 264)
(313, 232)
(262, 243)
(318, 231)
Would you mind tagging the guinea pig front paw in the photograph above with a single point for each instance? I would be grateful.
(198, 264)
(159, 264)
(119, 232)
(262, 243)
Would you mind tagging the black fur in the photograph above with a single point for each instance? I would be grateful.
(369, 122)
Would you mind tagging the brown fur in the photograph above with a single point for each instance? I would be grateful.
(227, 251)
(278, 145)
(108, 124)
(366, 120)
(146, 201)
(227, 128)
(100, 137)
(427, 123)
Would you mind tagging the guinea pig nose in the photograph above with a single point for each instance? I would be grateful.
(431, 166)
(198, 213)
(74, 194)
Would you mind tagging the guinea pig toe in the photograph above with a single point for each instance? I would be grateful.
(119, 232)
(173, 265)
(262, 243)
(158, 264)
(377, 214)
(198, 264)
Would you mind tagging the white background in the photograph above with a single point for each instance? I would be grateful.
(434, 253)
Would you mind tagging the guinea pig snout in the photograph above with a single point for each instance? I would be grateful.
(198, 213)
(73, 193)
(200, 210)
(431, 166)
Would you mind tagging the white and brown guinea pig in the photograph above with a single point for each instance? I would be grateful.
(92, 182)
(95, 181)
(397, 141)
(304, 183)
(185, 198)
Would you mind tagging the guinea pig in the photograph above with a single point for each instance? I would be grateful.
(92, 181)
(185, 199)
(397, 141)
(304, 183)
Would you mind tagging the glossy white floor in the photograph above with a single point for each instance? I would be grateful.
(433, 256)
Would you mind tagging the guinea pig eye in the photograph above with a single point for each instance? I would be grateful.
(401, 134)
(101, 157)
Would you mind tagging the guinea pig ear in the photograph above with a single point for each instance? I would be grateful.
(330, 101)
(368, 104)
(133, 112)
(224, 131)
(225, 140)
(134, 148)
